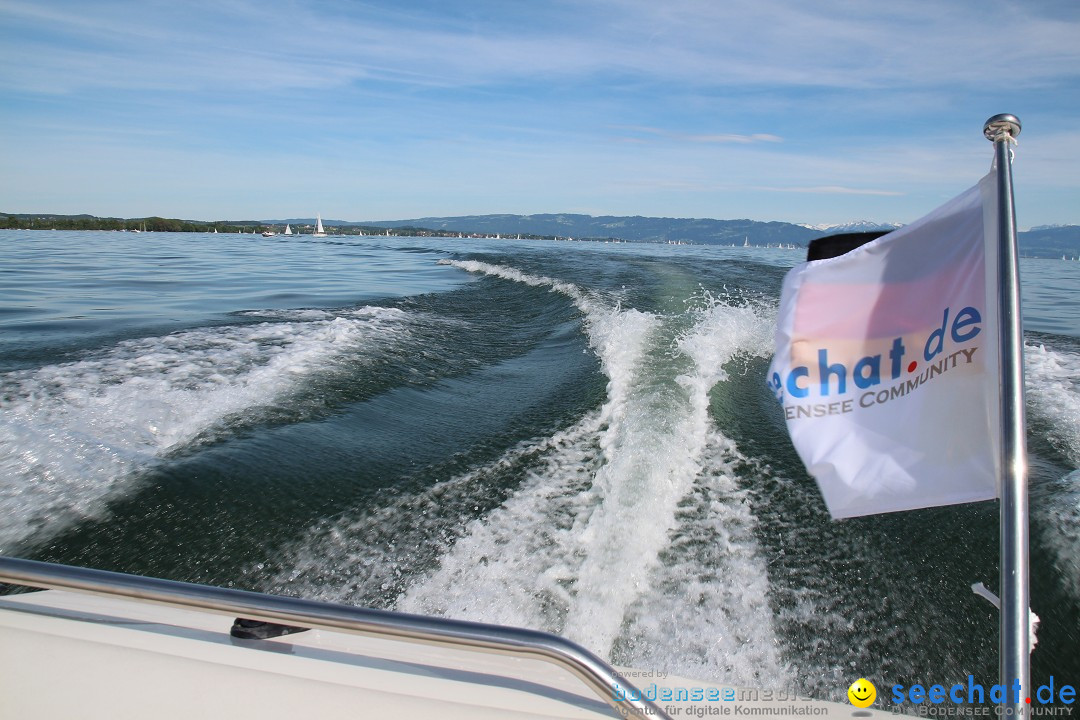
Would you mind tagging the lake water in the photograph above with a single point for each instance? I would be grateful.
(574, 437)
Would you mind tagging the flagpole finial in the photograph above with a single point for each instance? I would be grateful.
(1002, 127)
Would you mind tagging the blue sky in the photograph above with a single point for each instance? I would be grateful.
(813, 112)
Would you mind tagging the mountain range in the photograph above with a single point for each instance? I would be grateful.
(1045, 241)
(1048, 241)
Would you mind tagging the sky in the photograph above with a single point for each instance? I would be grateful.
(812, 112)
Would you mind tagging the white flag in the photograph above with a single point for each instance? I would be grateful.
(886, 363)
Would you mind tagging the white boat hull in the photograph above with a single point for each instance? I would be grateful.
(68, 655)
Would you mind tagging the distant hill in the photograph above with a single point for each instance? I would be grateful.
(1046, 241)
(1051, 241)
(636, 228)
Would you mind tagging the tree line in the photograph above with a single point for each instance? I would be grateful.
(160, 224)
(88, 222)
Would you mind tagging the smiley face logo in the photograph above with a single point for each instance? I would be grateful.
(862, 693)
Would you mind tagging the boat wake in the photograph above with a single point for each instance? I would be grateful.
(1057, 521)
(626, 532)
(74, 435)
(1053, 390)
(1053, 395)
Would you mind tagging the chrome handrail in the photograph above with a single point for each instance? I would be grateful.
(481, 637)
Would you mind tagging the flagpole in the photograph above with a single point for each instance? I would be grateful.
(1014, 641)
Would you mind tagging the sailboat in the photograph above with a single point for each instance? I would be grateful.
(288, 230)
(319, 232)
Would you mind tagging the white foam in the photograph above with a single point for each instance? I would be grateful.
(707, 613)
(620, 339)
(654, 456)
(594, 544)
(72, 435)
(362, 558)
(1053, 392)
(509, 273)
(515, 566)
(1053, 395)
(1059, 528)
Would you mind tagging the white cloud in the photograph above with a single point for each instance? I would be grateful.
(839, 44)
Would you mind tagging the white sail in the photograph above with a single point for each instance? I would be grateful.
(288, 230)
(319, 232)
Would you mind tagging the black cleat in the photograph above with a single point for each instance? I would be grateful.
(258, 630)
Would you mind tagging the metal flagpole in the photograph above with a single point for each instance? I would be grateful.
(1014, 642)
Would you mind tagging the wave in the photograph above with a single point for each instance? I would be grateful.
(1052, 384)
(1053, 397)
(603, 540)
(73, 435)
(602, 533)
(1058, 525)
